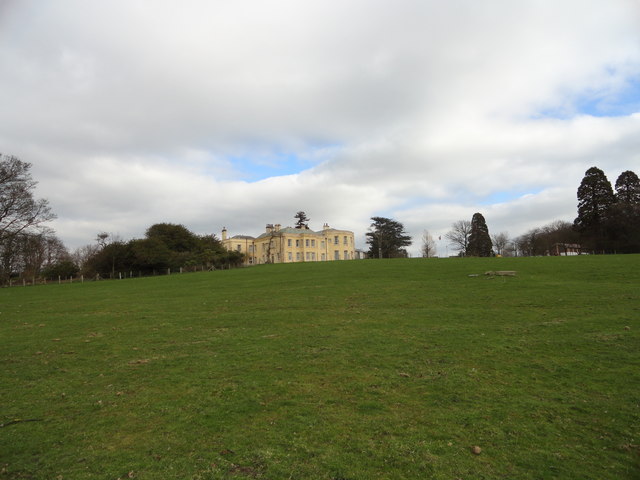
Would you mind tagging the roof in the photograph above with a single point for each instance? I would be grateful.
(290, 231)
(242, 237)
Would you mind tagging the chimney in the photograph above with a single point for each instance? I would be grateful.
(277, 226)
(224, 233)
(325, 226)
(269, 227)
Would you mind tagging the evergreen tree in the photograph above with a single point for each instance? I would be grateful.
(595, 199)
(624, 222)
(302, 220)
(479, 239)
(387, 238)
(628, 188)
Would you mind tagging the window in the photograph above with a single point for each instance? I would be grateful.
(336, 255)
(289, 256)
(306, 242)
(313, 256)
(239, 248)
(345, 240)
(322, 244)
(336, 240)
(297, 256)
(297, 243)
(313, 243)
(308, 256)
(323, 257)
(346, 255)
(288, 242)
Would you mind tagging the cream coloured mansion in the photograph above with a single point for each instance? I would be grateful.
(289, 245)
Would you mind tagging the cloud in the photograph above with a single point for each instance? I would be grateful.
(241, 113)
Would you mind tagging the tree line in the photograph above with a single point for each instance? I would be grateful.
(607, 222)
(28, 248)
(165, 247)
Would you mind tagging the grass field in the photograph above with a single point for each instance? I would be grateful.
(342, 370)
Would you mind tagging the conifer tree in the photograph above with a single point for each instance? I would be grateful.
(302, 220)
(624, 223)
(387, 238)
(595, 199)
(628, 188)
(479, 240)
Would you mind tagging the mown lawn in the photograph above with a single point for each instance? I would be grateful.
(343, 370)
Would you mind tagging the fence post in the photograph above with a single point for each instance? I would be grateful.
(24, 282)
(59, 281)
(81, 278)
(119, 275)
(168, 271)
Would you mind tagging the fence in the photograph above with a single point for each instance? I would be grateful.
(21, 281)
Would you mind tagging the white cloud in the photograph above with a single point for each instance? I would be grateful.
(135, 112)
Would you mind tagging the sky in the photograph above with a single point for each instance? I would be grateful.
(220, 113)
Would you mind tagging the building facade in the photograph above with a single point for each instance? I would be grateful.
(290, 245)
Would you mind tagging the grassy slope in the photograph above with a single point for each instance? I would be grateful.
(342, 370)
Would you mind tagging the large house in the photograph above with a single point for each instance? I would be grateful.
(289, 245)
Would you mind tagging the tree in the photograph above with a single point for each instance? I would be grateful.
(387, 238)
(628, 188)
(501, 243)
(113, 257)
(595, 199)
(479, 240)
(149, 254)
(624, 221)
(64, 269)
(547, 240)
(20, 212)
(428, 245)
(459, 235)
(82, 255)
(302, 220)
(177, 238)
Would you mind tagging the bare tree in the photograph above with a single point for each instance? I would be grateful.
(428, 248)
(459, 235)
(19, 211)
(500, 243)
(27, 254)
(82, 255)
(21, 215)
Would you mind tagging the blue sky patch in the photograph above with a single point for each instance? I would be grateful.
(506, 196)
(254, 167)
(617, 104)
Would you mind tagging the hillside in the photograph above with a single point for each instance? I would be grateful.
(339, 370)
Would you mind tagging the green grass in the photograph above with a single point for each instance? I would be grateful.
(341, 370)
